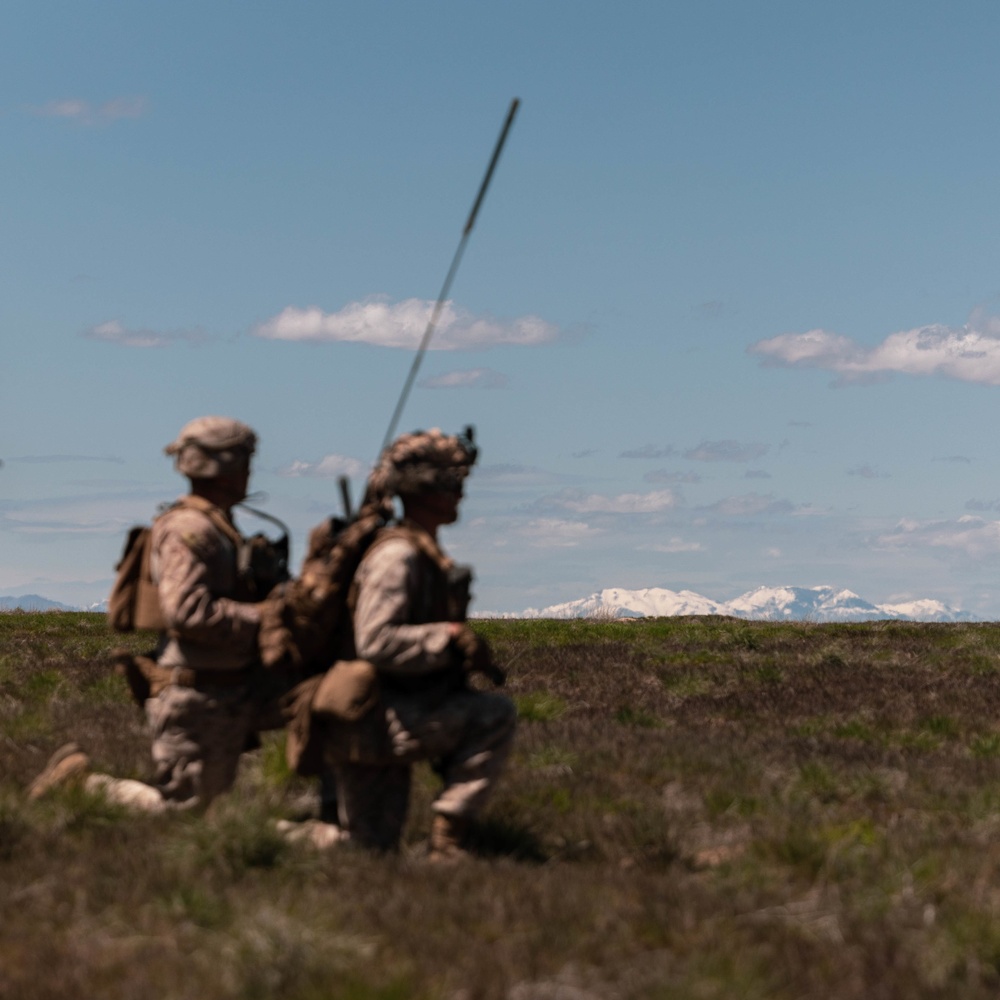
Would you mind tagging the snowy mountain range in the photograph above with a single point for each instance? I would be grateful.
(819, 604)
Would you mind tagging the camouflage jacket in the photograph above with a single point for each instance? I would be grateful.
(400, 600)
(195, 567)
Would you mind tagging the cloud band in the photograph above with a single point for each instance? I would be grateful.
(384, 324)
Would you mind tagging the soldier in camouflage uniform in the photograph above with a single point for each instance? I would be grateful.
(409, 625)
(202, 711)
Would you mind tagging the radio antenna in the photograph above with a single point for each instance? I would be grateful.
(446, 287)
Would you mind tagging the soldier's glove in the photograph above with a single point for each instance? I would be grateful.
(476, 657)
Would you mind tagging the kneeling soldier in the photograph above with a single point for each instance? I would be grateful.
(202, 709)
(408, 612)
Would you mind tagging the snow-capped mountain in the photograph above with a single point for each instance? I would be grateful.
(820, 604)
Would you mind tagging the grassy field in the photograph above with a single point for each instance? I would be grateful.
(696, 807)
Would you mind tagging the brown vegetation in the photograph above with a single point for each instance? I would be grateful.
(696, 807)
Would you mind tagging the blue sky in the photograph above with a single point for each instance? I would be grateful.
(729, 316)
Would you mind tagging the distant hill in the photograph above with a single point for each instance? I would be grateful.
(32, 602)
(820, 604)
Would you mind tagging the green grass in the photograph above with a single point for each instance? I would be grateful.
(538, 706)
(695, 807)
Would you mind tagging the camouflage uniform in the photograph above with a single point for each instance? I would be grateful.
(203, 719)
(403, 623)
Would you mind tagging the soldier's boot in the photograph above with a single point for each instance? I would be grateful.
(69, 763)
(448, 836)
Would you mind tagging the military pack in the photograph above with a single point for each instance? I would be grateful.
(304, 625)
(134, 603)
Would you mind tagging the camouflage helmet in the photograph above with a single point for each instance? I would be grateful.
(208, 447)
(424, 462)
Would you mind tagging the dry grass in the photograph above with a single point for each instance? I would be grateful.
(697, 807)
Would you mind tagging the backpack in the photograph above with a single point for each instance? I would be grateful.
(134, 601)
(303, 623)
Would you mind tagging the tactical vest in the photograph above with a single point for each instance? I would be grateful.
(436, 601)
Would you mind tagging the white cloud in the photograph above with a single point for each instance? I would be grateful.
(672, 545)
(470, 378)
(751, 504)
(328, 467)
(550, 532)
(726, 451)
(114, 332)
(624, 503)
(972, 535)
(377, 321)
(970, 353)
(86, 113)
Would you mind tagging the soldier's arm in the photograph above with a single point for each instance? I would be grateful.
(192, 564)
(387, 583)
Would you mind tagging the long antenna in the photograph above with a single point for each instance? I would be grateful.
(446, 287)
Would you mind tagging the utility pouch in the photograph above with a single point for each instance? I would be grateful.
(304, 743)
(134, 602)
(459, 592)
(348, 691)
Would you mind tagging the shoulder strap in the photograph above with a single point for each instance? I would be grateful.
(419, 539)
(215, 514)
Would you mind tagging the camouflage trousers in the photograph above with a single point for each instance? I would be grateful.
(467, 737)
(198, 737)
